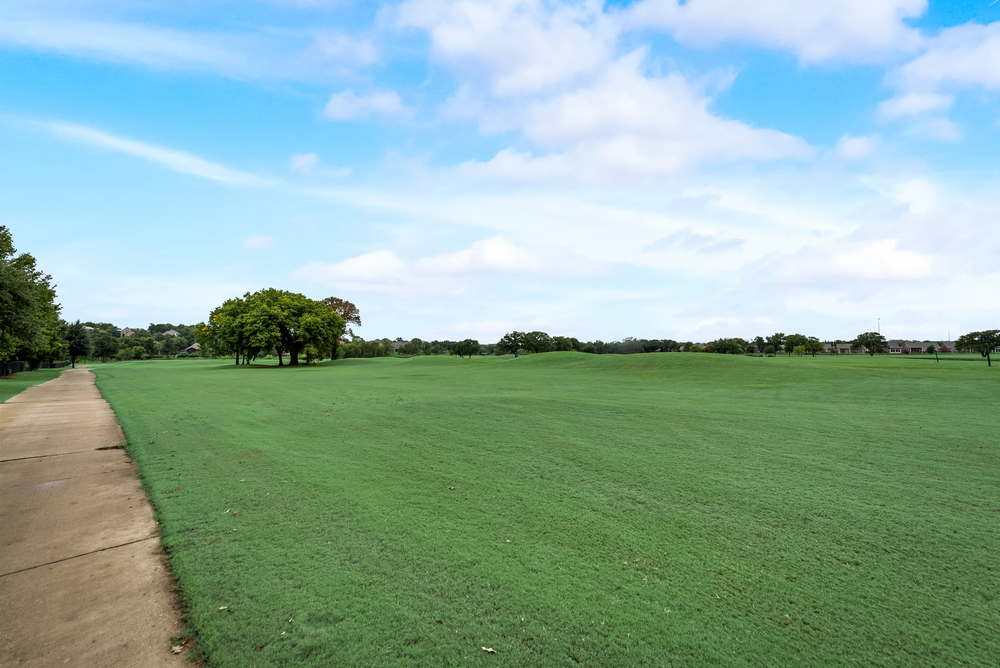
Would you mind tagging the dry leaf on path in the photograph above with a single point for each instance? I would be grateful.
(176, 649)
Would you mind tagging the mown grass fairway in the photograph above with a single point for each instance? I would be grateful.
(564, 509)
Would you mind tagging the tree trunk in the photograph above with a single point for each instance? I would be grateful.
(279, 358)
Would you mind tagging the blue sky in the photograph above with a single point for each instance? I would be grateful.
(462, 169)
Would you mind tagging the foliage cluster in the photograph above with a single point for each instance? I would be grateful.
(273, 320)
(30, 327)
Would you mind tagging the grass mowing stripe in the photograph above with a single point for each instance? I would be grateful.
(685, 509)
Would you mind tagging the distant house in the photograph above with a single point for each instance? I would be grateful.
(171, 332)
(126, 332)
(193, 348)
(396, 345)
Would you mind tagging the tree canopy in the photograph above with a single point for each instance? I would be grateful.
(30, 327)
(870, 342)
(469, 347)
(346, 310)
(78, 341)
(510, 343)
(272, 319)
(982, 342)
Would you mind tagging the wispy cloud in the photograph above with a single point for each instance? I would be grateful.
(450, 273)
(258, 242)
(348, 105)
(178, 161)
(264, 53)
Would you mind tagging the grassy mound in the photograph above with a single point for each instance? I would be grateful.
(569, 508)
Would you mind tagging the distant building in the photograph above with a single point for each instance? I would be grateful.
(171, 332)
(126, 332)
(193, 348)
(396, 345)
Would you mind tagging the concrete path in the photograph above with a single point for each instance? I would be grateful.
(83, 580)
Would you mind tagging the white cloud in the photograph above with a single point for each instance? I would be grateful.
(855, 148)
(963, 56)
(551, 72)
(305, 163)
(178, 161)
(815, 31)
(516, 46)
(627, 124)
(450, 273)
(347, 105)
(258, 242)
(909, 104)
(841, 264)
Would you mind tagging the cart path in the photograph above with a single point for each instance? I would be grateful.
(83, 579)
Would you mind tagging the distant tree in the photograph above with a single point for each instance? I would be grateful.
(468, 347)
(794, 340)
(510, 343)
(813, 345)
(138, 352)
(167, 346)
(537, 342)
(982, 342)
(78, 342)
(931, 349)
(727, 346)
(799, 350)
(124, 354)
(871, 342)
(694, 348)
(105, 345)
(630, 346)
(564, 343)
(777, 340)
(759, 343)
(769, 350)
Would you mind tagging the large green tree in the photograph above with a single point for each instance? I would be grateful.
(870, 342)
(285, 321)
(29, 317)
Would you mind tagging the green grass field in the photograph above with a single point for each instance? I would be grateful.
(565, 509)
(19, 382)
